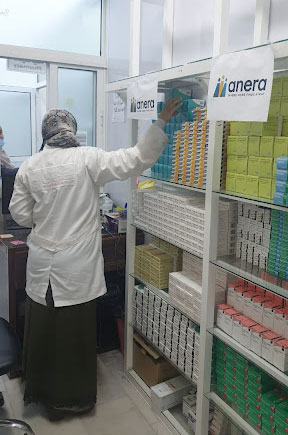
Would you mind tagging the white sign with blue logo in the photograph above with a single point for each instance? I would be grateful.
(240, 86)
(142, 99)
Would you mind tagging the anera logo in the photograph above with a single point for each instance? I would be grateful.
(140, 105)
(220, 90)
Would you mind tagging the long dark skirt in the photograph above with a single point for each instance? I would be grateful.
(60, 359)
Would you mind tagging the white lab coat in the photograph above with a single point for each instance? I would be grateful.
(56, 193)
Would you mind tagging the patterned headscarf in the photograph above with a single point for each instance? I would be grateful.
(59, 129)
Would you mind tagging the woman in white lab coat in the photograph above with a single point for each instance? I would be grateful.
(56, 194)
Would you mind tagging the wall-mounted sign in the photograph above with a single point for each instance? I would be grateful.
(142, 99)
(240, 86)
(118, 109)
(27, 66)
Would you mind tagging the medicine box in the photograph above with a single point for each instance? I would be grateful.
(254, 166)
(269, 338)
(170, 393)
(265, 185)
(252, 185)
(232, 163)
(241, 183)
(284, 106)
(254, 146)
(275, 104)
(267, 146)
(231, 181)
(280, 147)
(280, 355)
(266, 167)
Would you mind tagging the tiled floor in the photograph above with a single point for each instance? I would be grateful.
(120, 409)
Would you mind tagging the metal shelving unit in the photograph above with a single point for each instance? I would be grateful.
(168, 78)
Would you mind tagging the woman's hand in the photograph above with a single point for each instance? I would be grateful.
(170, 108)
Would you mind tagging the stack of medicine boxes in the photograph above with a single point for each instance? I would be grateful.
(281, 190)
(278, 251)
(171, 332)
(250, 391)
(153, 265)
(253, 234)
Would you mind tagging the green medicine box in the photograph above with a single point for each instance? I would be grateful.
(256, 128)
(231, 182)
(285, 86)
(273, 186)
(280, 147)
(275, 105)
(232, 145)
(254, 166)
(242, 165)
(284, 106)
(277, 87)
(252, 187)
(240, 128)
(285, 126)
(274, 172)
(267, 146)
(265, 188)
(265, 167)
(241, 183)
(270, 128)
(232, 163)
(254, 146)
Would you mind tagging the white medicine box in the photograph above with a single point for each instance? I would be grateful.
(169, 393)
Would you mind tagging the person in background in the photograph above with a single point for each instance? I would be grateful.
(56, 194)
(4, 158)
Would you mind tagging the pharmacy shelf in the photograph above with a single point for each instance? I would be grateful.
(177, 419)
(253, 274)
(176, 185)
(161, 353)
(232, 415)
(148, 231)
(251, 356)
(163, 295)
(262, 202)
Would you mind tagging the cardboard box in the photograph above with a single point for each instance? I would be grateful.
(280, 147)
(280, 355)
(231, 182)
(265, 185)
(149, 365)
(252, 185)
(269, 338)
(241, 183)
(267, 146)
(254, 146)
(266, 167)
(275, 104)
(170, 393)
(257, 338)
(254, 166)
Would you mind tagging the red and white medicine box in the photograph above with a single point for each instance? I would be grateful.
(220, 314)
(257, 308)
(281, 321)
(257, 338)
(246, 331)
(228, 320)
(280, 355)
(237, 326)
(268, 314)
(240, 297)
(231, 294)
(269, 339)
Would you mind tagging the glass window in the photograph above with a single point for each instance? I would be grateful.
(278, 29)
(76, 93)
(193, 30)
(118, 39)
(241, 24)
(15, 119)
(66, 25)
(151, 35)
